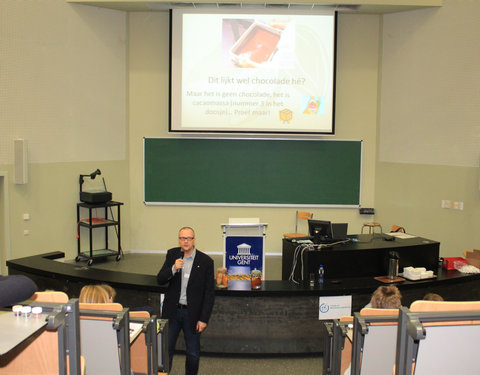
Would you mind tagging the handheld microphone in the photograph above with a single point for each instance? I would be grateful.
(181, 257)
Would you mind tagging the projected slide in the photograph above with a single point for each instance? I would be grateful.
(251, 72)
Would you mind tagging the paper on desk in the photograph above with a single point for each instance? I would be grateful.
(401, 235)
(135, 329)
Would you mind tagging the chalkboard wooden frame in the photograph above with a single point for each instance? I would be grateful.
(252, 172)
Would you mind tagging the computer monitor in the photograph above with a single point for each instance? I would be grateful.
(339, 231)
(320, 230)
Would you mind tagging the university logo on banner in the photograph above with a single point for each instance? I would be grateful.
(242, 255)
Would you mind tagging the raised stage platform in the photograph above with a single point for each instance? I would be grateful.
(281, 317)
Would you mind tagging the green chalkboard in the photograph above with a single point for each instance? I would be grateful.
(224, 171)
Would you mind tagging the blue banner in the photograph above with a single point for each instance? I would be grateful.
(244, 251)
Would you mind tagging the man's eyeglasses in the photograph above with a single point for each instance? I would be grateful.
(185, 238)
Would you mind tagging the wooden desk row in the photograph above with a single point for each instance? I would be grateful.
(280, 317)
(427, 338)
(63, 338)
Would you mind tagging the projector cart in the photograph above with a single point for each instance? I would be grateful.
(101, 219)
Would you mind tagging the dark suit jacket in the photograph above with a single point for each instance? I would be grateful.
(200, 288)
(15, 288)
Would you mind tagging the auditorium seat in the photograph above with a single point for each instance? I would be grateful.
(104, 338)
(439, 337)
(141, 353)
(374, 341)
(138, 349)
(374, 332)
(338, 348)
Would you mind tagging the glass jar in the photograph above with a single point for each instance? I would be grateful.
(222, 277)
(256, 279)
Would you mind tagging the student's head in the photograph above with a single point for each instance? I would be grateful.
(94, 294)
(186, 239)
(432, 297)
(386, 297)
(111, 292)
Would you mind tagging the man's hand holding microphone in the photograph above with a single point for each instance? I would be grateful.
(178, 264)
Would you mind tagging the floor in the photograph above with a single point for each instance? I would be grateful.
(249, 365)
(218, 364)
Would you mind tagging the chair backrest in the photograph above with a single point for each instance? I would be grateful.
(446, 341)
(139, 314)
(303, 215)
(455, 343)
(300, 215)
(431, 306)
(106, 350)
(138, 349)
(370, 311)
(346, 319)
(50, 296)
(111, 306)
(374, 341)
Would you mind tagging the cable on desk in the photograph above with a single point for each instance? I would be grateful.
(300, 249)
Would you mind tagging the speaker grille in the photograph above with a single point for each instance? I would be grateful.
(20, 161)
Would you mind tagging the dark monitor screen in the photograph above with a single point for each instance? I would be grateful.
(320, 229)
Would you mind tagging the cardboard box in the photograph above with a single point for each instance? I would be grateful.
(473, 257)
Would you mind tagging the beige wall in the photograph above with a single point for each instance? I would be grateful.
(429, 141)
(63, 81)
(155, 227)
(50, 199)
(410, 194)
(63, 90)
(403, 191)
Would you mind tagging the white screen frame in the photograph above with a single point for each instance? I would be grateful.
(183, 119)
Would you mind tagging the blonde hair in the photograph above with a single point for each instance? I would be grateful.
(386, 297)
(110, 290)
(94, 294)
(433, 297)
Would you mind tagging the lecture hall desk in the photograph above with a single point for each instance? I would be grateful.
(281, 317)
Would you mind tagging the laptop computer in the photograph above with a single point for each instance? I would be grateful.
(339, 231)
(327, 232)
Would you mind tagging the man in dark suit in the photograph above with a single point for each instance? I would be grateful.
(189, 299)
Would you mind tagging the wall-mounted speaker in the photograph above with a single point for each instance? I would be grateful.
(20, 161)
